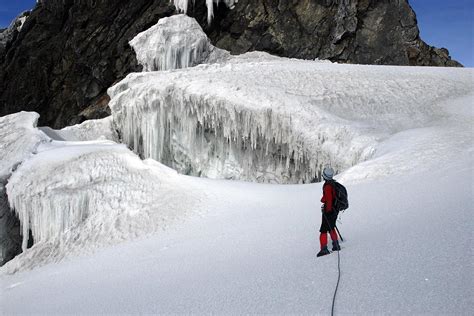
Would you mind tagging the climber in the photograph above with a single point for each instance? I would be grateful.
(329, 214)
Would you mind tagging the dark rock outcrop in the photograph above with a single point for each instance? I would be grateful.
(364, 32)
(70, 51)
(9, 33)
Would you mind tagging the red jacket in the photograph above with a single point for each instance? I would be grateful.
(329, 193)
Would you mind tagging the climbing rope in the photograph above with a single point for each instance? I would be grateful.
(337, 284)
(338, 272)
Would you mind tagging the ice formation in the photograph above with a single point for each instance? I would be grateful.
(87, 130)
(259, 117)
(182, 6)
(109, 194)
(174, 42)
(19, 139)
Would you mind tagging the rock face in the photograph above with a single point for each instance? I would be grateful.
(6, 35)
(69, 52)
(362, 32)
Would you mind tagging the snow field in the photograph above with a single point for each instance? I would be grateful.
(407, 251)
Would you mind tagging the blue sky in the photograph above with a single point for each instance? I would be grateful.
(449, 24)
(442, 23)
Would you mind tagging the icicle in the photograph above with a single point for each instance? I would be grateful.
(182, 6)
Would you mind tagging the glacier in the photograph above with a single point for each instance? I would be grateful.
(400, 137)
(251, 117)
(262, 118)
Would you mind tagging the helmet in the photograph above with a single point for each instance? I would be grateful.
(328, 173)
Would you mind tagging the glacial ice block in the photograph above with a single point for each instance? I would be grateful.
(75, 195)
(272, 119)
(174, 42)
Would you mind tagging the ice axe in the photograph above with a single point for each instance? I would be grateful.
(337, 229)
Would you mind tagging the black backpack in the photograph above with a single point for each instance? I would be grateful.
(341, 201)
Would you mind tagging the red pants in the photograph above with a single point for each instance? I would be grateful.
(323, 238)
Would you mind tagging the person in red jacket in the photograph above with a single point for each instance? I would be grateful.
(329, 216)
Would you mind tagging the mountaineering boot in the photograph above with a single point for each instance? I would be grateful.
(323, 252)
(335, 245)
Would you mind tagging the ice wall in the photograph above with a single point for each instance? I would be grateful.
(19, 139)
(268, 119)
(109, 195)
(182, 6)
(174, 42)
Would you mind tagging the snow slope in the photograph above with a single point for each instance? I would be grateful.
(250, 248)
(408, 250)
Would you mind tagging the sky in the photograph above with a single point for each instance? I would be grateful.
(442, 23)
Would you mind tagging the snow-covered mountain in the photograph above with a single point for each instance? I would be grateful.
(114, 233)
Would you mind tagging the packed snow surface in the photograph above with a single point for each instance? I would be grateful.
(236, 247)
(407, 250)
